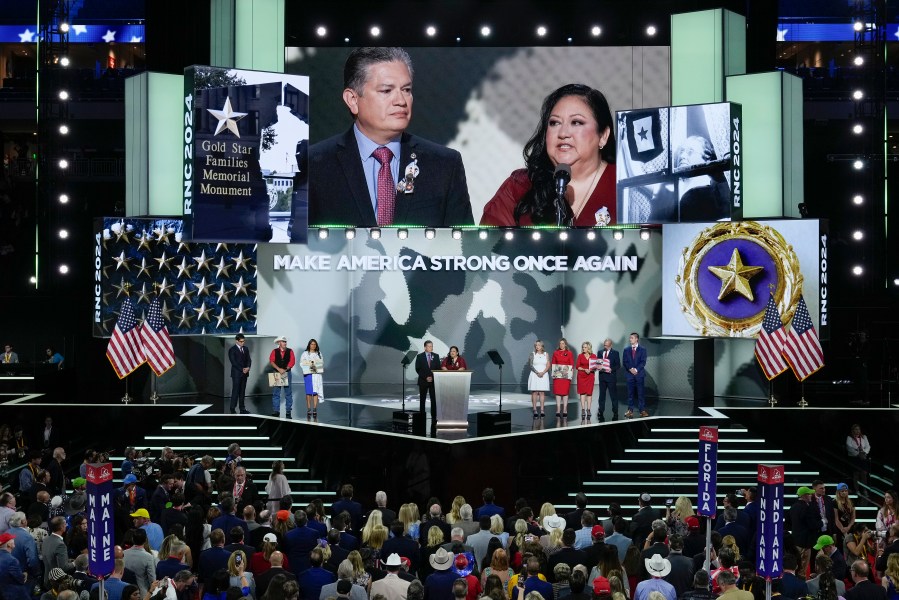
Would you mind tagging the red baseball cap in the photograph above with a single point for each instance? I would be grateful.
(5, 537)
(598, 531)
(601, 586)
(692, 522)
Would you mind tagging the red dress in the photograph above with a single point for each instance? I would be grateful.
(500, 210)
(561, 387)
(458, 366)
(585, 380)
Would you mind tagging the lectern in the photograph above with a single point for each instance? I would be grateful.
(452, 389)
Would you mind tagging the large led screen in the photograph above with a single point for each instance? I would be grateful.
(370, 301)
(483, 103)
(246, 140)
(717, 277)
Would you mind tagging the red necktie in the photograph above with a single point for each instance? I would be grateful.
(386, 188)
(633, 353)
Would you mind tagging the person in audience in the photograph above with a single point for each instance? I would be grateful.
(729, 590)
(843, 514)
(141, 562)
(886, 516)
(657, 567)
(859, 451)
(824, 583)
(863, 588)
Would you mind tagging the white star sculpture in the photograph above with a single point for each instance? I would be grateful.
(227, 118)
(79, 29)
(109, 37)
(135, 39)
(26, 36)
(782, 35)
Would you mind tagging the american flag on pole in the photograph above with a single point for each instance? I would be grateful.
(125, 351)
(803, 349)
(770, 342)
(156, 341)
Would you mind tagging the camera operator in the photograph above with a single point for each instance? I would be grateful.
(892, 547)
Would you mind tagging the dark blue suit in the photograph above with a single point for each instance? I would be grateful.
(338, 192)
(300, 542)
(426, 369)
(609, 381)
(12, 579)
(211, 560)
(227, 522)
(240, 360)
(635, 383)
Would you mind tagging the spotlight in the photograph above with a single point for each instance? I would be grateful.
(858, 199)
(430, 233)
(375, 31)
(64, 61)
(64, 129)
(64, 27)
(858, 235)
(485, 31)
(596, 31)
(858, 61)
(63, 234)
(350, 233)
(896, 281)
(323, 233)
(346, 40)
(535, 235)
(591, 235)
(541, 31)
(63, 269)
(32, 280)
(858, 164)
(857, 129)
(457, 234)
(858, 95)
(857, 270)
(63, 198)
(374, 233)
(509, 234)
(321, 31)
(482, 234)
(651, 30)
(63, 95)
(644, 234)
(563, 235)
(430, 31)
(858, 26)
(402, 233)
(63, 163)
(618, 235)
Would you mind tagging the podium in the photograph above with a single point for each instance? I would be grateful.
(451, 391)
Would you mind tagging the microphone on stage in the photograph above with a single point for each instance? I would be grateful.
(561, 177)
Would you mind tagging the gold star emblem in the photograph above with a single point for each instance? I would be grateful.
(164, 288)
(223, 295)
(184, 268)
(166, 311)
(144, 242)
(735, 277)
(222, 317)
(123, 288)
(222, 267)
(203, 287)
(122, 234)
(144, 294)
(183, 294)
(162, 236)
(240, 262)
(122, 261)
(183, 246)
(242, 312)
(184, 319)
(163, 262)
(240, 287)
(203, 261)
(202, 312)
(144, 268)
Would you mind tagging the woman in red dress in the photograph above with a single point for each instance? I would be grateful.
(562, 377)
(454, 361)
(586, 377)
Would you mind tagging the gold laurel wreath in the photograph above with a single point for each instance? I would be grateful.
(686, 283)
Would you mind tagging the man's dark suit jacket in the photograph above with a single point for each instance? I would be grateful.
(338, 192)
(426, 370)
(404, 546)
(866, 590)
(263, 580)
(567, 555)
(211, 560)
(300, 542)
(805, 521)
(352, 507)
(423, 531)
(240, 360)
(641, 524)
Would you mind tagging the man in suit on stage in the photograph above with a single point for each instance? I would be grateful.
(375, 173)
(608, 380)
(634, 360)
(240, 372)
(425, 364)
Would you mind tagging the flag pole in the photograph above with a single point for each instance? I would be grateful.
(154, 396)
(802, 402)
(771, 399)
(126, 399)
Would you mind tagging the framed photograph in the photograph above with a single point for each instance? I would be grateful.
(307, 366)
(277, 380)
(562, 371)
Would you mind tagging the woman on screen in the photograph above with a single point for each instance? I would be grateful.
(575, 130)
(454, 360)
(562, 370)
(538, 380)
(586, 377)
(313, 365)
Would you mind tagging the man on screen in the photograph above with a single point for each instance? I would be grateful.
(634, 361)
(425, 364)
(375, 173)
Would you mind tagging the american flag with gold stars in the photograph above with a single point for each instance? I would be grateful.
(204, 288)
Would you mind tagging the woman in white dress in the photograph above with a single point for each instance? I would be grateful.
(313, 366)
(538, 380)
(276, 488)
